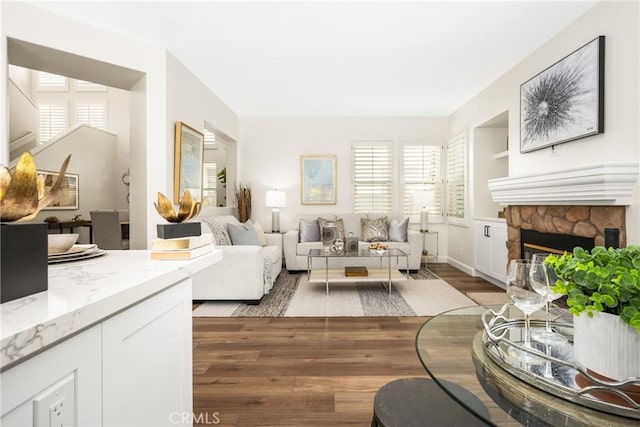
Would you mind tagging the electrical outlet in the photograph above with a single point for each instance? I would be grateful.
(55, 406)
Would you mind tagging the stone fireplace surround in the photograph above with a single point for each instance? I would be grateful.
(583, 221)
(580, 201)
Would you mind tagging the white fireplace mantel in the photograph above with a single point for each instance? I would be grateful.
(598, 185)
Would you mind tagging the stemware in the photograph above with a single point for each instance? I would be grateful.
(543, 277)
(522, 294)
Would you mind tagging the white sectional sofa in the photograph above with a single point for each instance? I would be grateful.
(295, 251)
(246, 272)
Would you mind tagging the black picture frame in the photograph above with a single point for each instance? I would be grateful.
(564, 102)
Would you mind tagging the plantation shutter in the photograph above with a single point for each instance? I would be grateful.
(456, 177)
(84, 86)
(51, 82)
(209, 137)
(421, 171)
(52, 120)
(92, 114)
(210, 184)
(372, 177)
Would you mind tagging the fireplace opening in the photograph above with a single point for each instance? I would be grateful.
(533, 242)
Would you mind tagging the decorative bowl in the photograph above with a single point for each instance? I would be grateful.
(59, 243)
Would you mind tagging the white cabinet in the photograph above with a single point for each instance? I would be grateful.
(131, 369)
(490, 249)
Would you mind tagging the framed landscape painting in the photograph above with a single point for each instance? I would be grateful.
(318, 180)
(566, 101)
(189, 154)
(68, 196)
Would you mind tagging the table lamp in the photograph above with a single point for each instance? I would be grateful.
(424, 200)
(275, 199)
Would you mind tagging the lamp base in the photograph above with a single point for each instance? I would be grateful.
(275, 221)
(424, 221)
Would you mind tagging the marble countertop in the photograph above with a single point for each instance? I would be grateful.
(83, 294)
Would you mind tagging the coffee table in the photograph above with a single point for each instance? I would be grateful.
(383, 273)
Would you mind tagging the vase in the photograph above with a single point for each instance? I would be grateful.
(606, 345)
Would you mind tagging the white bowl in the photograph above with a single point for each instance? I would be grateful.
(59, 243)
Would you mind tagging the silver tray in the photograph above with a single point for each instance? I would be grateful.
(552, 368)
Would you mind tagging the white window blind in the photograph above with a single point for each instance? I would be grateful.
(421, 171)
(51, 82)
(372, 177)
(456, 177)
(209, 137)
(52, 120)
(85, 86)
(210, 184)
(92, 114)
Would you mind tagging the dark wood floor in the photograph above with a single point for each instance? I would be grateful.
(304, 371)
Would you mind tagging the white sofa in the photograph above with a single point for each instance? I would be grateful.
(245, 273)
(295, 252)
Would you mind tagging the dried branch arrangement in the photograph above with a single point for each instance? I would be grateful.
(243, 202)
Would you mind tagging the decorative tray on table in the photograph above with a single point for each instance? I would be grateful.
(552, 368)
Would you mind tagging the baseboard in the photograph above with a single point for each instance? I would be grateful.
(460, 266)
(491, 280)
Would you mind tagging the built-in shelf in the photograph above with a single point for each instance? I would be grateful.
(501, 155)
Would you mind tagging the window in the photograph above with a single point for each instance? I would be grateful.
(84, 86)
(209, 137)
(210, 184)
(51, 82)
(456, 179)
(421, 170)
(92, 114)
(52, 120)
(372, 177)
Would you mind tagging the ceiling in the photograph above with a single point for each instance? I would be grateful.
(325, 58)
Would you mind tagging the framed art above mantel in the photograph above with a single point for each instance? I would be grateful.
(318, 180)
(565, 102)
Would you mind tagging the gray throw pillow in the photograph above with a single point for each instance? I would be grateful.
(219, 231)
(375, 230)
(337, 223)
(399, 230)
(309, 231)
(244, 234)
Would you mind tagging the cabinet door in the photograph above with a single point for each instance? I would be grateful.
(499, 253)
(482, 247)
(147, 362)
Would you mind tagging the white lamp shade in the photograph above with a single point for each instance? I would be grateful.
(424, 199)
(276, 199)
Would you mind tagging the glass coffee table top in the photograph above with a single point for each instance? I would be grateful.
(391, 252)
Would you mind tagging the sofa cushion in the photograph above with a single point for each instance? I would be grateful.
(304, 248)
(309, 230)
(351, 223)
(398, 230)
(260, 231)
(338, 223)
(219, 231)
(375, 230)
(243, 234)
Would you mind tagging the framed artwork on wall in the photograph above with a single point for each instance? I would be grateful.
(566, 101)
(318, 180)
(188, 158)
(69, 197)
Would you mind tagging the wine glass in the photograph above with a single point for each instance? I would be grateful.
(522, 294)
(543, 277)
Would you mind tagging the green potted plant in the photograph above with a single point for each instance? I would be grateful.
(603, 292)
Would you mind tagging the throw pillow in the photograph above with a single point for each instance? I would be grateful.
(399, 230)
(244, 234)
(219, 231)
(337, 223)
(261, 236)
(375, 230)
(309, 231)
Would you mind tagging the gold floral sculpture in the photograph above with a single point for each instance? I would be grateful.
(22, 192)
(189, 208)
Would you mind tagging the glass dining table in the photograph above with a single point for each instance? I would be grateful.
(450, 350)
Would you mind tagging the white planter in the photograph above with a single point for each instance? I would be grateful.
(606, 345)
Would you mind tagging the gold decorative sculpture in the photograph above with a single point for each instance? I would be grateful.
(22, 193)
(189, 208)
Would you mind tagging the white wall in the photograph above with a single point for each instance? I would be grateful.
(29, 23)
(270, 150)
(191, 102)
(618, 21)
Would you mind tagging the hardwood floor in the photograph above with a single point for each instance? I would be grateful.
(304, 371)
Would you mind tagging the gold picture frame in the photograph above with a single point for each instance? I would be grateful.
(188, 162)
(318, 179)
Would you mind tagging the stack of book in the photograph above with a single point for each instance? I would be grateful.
(181, 247)
(356, 271)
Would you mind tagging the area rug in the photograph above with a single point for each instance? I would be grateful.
(489, 298)
(294, 296)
